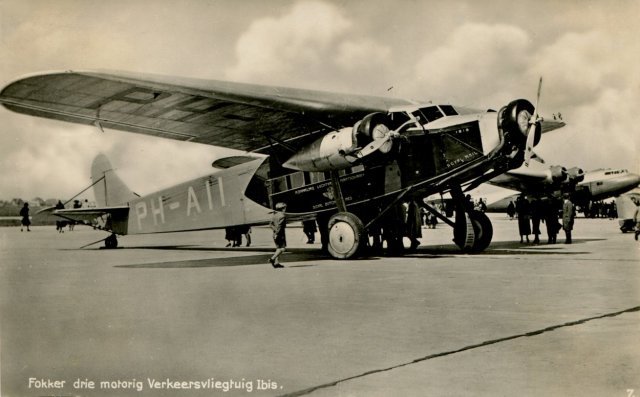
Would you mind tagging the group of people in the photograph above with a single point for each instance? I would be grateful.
(531, 213)
(233, 235)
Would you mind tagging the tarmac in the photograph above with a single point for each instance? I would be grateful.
(181, 315)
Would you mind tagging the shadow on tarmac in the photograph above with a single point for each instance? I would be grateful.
(505, 248)
(294, 255)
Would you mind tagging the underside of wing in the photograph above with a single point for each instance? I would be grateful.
(232, 115)
(520, 179)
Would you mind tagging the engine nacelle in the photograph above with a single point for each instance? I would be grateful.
(575, 175)
(557, 174)
(514, 121)
(341, 149)
(326, 153)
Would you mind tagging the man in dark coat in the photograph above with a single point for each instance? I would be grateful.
(524, 224)
(24, 213)
(568, 216)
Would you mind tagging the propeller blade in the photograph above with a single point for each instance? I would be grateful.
(537, 158)
(528, 150)
(373, 146)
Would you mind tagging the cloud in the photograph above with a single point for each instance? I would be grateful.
(313, 45)
(278, 46)
(475, 62)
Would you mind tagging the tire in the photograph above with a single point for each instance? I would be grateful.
(483, 230)
(482, 233)
(346, 235)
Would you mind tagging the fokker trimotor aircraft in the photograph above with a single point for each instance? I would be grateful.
(554, 180)
(345, 160)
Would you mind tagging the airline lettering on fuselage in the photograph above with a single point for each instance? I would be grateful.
(156, 204)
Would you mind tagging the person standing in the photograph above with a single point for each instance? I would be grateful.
(524, 225)
(309, 229)
(636, 217)
(413, 225)
(550, 210)
(60, 224)
(536, 216)
(568, 216)
(24, 213)
(278, 225)
(511, 210)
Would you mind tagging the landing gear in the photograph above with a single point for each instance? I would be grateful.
(111, 242)
(474, 234)
(346, 235)
(472, 230)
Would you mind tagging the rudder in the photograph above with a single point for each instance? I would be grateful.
(108, 188)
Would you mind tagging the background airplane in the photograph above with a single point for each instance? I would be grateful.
(585, 187)
(348, 160)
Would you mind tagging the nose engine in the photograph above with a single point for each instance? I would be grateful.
(515, 122)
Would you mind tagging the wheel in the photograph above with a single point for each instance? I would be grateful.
(475, 235)
(483, 230)
(346, 235)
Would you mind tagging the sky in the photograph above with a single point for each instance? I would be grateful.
(474, 53)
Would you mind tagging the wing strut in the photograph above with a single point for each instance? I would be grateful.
(84, 190)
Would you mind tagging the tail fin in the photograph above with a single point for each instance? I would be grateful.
(108, 187)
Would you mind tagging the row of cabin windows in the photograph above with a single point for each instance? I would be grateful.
(300, 179)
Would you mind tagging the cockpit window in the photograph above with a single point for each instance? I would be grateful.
(428, 114)
(448, 110)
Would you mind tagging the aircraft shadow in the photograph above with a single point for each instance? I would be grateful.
(510, 248)
(294, 255)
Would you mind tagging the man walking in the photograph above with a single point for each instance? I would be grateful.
(278, 225)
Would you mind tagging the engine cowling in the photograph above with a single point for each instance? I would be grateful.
(341, 149)
(575, 175)
(514, 121)
(557, 174)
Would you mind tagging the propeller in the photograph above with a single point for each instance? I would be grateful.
(382, 139)
(528, 153)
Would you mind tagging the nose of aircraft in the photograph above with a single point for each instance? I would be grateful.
(633, 180)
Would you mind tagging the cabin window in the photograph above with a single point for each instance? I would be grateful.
(279, 184)
(357, 168)
(297, 180)
(316, 177)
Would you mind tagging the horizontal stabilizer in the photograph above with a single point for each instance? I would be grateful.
(108, 218)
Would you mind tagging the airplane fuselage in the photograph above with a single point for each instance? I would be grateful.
(434, 156)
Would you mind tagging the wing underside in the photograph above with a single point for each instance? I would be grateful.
(232, 115)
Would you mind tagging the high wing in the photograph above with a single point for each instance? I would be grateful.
(232, 115)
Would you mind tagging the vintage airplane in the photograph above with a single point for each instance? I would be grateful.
(343, 159)
(552, 181)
